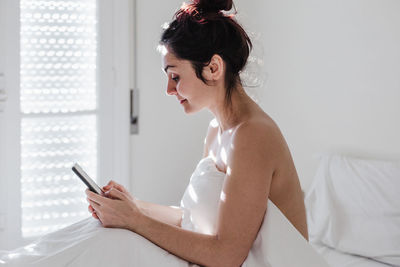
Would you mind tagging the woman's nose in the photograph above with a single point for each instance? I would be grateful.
(171, 90)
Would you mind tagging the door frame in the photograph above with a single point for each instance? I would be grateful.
(114, 72)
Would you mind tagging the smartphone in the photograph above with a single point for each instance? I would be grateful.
(86, 179)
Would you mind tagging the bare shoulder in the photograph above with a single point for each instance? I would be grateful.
(258, 138)
(259, 126)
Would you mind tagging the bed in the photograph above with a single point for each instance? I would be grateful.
(340, 259)
(353, 211)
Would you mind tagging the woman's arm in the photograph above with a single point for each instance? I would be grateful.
(243, 203)
(117, 210)
(166, 214)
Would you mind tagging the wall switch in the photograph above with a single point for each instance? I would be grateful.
(134, 111)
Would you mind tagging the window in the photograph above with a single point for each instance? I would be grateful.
(59, 110)
(65, 66)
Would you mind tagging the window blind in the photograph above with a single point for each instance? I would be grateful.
(59, 110)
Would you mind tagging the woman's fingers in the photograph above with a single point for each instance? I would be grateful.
(95, 198)
(93, 212)
(95, 206)
(91, 209)
(120, 188)
(107, 187)
(113, 184)
(116, 194)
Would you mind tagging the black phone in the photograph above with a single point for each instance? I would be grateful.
(77, 169)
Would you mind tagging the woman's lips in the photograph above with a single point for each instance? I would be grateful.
(182, 101)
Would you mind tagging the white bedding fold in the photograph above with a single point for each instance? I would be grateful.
(87, 243)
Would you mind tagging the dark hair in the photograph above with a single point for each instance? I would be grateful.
(200, 30)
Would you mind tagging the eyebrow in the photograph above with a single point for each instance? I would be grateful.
(168, 66)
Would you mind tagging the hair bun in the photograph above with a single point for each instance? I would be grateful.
(213, 5)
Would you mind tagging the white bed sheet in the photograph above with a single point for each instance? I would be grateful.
(88, 244)
(338, 259)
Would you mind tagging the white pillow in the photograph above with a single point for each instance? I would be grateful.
(354, 207)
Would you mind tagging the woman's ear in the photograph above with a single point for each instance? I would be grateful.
(215, 70)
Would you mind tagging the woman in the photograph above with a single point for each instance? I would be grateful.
(204, 51)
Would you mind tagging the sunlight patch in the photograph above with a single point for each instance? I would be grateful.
(193, 194)
(30, 248)
(214, 123)
(223, 196)
(228, 171)
(213, 156)
(162, 49)
(223, 155)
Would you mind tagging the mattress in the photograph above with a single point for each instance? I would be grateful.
(336, 258)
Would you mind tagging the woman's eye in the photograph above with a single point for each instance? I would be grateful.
(175, 78)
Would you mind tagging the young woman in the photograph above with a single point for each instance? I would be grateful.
(204, 50)
(244, 196)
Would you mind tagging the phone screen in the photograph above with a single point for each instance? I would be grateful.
(77, 169)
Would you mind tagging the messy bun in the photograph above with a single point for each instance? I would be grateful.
(199, 31)
(213, 5)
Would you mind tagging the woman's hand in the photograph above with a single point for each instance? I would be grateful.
(115, 209)
(111, 184)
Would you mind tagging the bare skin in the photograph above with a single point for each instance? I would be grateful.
(285, 190)
(246, 145)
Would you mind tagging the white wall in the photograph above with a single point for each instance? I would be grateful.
(169, 143)
(333, 75)
(2, 156)
(9, 125)
(333, 85)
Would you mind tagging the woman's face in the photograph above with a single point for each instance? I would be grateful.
(191, 92)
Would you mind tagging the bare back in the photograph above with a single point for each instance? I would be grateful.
(285, 190)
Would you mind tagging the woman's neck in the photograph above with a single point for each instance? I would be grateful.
(229, 116)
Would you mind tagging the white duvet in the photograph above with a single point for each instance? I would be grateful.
(87, 243)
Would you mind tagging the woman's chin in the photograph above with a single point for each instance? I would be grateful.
(190, 110)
